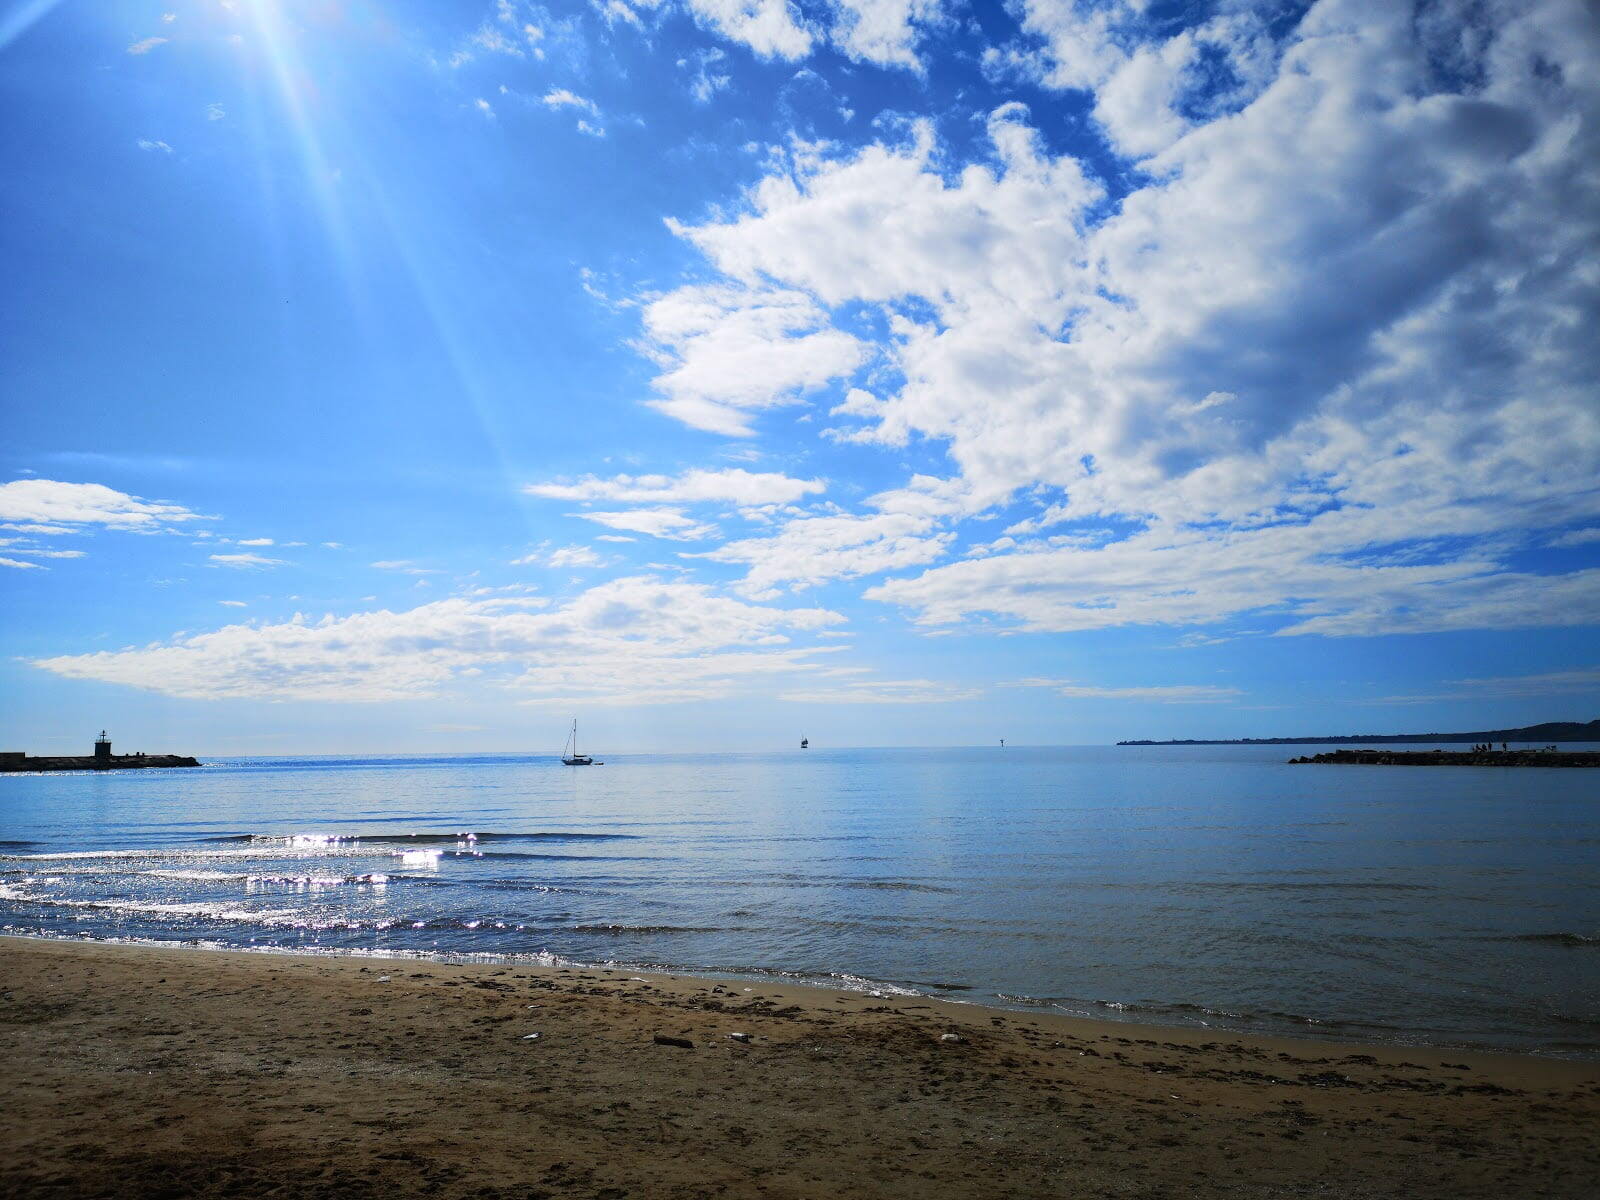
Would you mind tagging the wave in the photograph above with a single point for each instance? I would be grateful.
(201, 909)
(626, 930)
(1266, 885)
(418, 839)
(814, 881)
(185, 852)
(370, 877)
(522, 885)
(1573, 940)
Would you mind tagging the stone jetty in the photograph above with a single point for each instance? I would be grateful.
(1476, 757)
(101, 760)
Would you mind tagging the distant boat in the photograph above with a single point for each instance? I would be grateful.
(569, 753)
(804, 742)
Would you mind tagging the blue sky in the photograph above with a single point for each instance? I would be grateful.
(414, 376)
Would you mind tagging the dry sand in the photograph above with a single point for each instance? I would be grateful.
(142, 1072)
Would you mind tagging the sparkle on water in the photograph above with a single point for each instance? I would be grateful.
(1196, 885)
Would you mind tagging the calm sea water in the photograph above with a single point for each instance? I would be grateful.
(1205, 885)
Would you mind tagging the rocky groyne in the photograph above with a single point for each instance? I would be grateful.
(88, 762)
(1457, 758)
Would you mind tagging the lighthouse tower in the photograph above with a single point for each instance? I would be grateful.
(102, 751)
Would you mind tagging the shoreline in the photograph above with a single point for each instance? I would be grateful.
(1317, 1033)
(130, 1067)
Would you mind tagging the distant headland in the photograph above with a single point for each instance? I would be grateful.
(1550, 731)
(101, 760)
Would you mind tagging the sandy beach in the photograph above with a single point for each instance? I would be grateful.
(142, 1072)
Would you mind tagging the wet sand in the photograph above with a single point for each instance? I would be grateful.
(140, 1072)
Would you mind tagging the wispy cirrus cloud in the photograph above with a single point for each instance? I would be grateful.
(746, 489)
(245, 561)
(1547, 683)
(1159, 693)
(883, 691)
(669, 523)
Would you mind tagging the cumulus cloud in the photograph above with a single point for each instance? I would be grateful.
(770, 28)
(883, 32)
(811, 550)
(1328, 359)
(727, 350)
(746, 489)
(634, 640)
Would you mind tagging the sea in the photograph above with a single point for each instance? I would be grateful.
(1214, 886)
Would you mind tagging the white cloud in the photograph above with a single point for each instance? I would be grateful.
(49, 505)
(150, 144)
(562, 98)
(575, 556)
(233, 603)
(405, 566)
(146, 45)
(708, 78)
(906, 530)
(484, 107)
(245, 561)
(563, 556)
(261, 541)
(728, 350)
(1161, 694)
(1329, 359)
(635, 640)
(813, 550)
(769, 27)
(657, 522)
(1576, 537)
(215, 112)
(19, 565)
(882, 32)
(736, 486)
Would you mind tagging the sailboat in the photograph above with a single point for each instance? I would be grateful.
(804, 742)
(569, 753)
